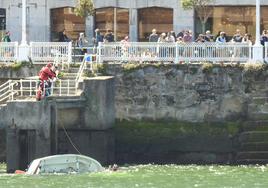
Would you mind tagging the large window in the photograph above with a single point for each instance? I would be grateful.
(114, 19)
(65, 18)
(157, 18)
(2, 22)
(230, 18)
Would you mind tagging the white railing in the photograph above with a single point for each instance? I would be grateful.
(81, 71)
(49, 51)
(139, 51)
(24, 89)
(7, 91)
(58, 88)
(266, 52)
(8, 51)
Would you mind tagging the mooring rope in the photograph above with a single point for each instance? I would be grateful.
(69, 138)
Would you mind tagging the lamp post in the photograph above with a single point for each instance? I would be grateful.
(23, 48)
(23, 24)
(258, 48)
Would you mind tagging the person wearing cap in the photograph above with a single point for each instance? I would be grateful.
(46, 74)
(6, 38)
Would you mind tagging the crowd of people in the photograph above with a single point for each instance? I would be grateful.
(186, 36)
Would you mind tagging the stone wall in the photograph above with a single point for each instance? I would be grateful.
(18, 72)
(195, 93)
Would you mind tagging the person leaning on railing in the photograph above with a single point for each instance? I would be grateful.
(46, 75)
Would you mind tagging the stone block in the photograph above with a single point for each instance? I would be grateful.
(100, 106)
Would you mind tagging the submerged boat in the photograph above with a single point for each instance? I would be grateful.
(67, 163)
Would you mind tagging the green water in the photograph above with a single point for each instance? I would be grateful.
(149, 176)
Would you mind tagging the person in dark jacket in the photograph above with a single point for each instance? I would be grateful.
(63, 37)
(154, 36)
(98, 36)
(109, 37)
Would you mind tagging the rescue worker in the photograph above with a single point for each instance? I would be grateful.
(46, 74)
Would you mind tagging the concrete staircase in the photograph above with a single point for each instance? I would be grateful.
(68, 80)
(253, 139)
(253, 143)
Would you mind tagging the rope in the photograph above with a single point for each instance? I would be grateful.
(70, 140)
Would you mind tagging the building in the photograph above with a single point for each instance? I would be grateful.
(46, 18)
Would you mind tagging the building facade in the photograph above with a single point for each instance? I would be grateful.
(136, 18)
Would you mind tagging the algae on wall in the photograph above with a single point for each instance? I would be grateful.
(175, 142)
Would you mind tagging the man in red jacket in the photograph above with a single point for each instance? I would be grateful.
(46, 74)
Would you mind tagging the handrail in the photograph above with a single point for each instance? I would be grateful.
(80, 71)
(29, 87)
(8, 88)
(2, 87)
(266, 51)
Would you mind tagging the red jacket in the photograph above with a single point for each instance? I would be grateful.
(46, 73)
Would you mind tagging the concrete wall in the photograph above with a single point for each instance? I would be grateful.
(2, 145)
(100, 109)
(32, 127)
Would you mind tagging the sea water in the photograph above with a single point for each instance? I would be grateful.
(148, 176)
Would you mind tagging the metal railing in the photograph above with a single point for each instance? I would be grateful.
(22, 89)
(6, 91)
(8, 51)
(266, 52)
(80, 71)
(49, 51)
(176, 52)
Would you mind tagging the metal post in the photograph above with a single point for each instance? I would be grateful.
(23, 24)
(52, 88)
(99, 52)
(21, 88)
(258, 48)
(115, 25)
(30, 87)
(60, 87)
(177, 53)
(258, 24)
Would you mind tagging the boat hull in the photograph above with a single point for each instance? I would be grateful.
(68, 163)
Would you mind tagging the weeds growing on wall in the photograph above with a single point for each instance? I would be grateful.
(17, 65)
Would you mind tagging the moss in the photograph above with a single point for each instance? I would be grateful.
(61, 75)
(254, 67)
(16, 65)
(207, 67)
(153, 130)
(74, 65)
(89, 74)
(101, 69)
(3, 168)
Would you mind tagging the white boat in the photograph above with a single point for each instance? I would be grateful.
(67, 163)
